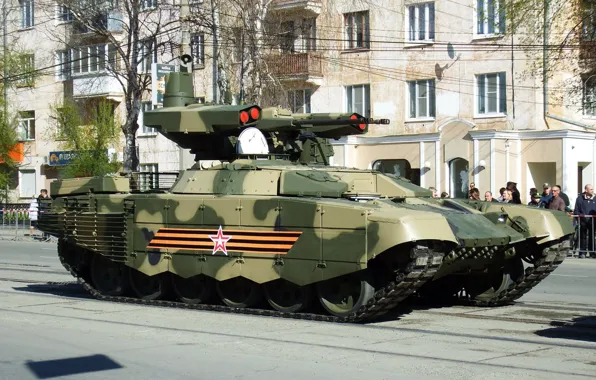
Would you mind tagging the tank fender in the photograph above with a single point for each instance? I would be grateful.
(546, 225)
(385, 230)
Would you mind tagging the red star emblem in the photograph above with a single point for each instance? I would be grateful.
(220, 241)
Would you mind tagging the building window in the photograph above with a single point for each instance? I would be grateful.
(63, 64)
(88, 59)
(491, 94)
(357, 32)
(63, 13)
(420, 22)
(148, 177)
(27, 66)
(148, 4)
(422, 98)
(309, 34)
(288, 37)
(299, 100)
(589, 21)
(27, 13)
(589, 96)
(197, 48)
(490, 17)
(147, 55)
(358, 99)
(146, 106)
(398, 168)
(27, 188)
(27, 125)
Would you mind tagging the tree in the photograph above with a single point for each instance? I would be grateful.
(89, 132)
(133, 33)
(559, 38)
(244, 34)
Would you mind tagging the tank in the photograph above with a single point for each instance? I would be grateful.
(263, 224)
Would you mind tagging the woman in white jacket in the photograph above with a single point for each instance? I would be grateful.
(33, 209)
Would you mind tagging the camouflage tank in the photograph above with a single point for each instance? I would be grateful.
(272, 229)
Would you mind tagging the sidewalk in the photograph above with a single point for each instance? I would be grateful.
(20, 233)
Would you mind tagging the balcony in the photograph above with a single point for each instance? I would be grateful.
(96, 86)
(298, 66)
(304, 7)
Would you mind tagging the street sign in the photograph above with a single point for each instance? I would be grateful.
(61, 158)
(158, 81)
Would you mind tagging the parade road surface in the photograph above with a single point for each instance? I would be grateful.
(51, 328)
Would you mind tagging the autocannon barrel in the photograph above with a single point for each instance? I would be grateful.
(324, 122)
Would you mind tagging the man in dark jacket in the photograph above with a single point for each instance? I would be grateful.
(546, 196)
(515, 195)
(586, 205)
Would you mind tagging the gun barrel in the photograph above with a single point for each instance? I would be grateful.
(323, 122)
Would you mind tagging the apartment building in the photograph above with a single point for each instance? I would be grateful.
(72, 62)
(452, 83)
(462, 111)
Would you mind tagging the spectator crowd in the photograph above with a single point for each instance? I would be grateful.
(553, 198)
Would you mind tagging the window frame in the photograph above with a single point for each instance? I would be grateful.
(145, 131)
(429, 22)
(366, 98)
(27, 21)
(197, 48)
(63, 14)
(499, 29)
(431, 100)
(586, 80)
(32, 172)
(306, 106)
(147, 5)
(501, 91)
(26, 120)
(350, 32)
(146, 59)
(26, 78)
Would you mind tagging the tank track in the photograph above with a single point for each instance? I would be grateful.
(423, 265)
(544, 264)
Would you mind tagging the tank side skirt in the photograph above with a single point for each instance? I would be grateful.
(423, 265)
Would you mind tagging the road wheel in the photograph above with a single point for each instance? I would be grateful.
(194, 290)
(285, 296)
(239, 292)
(344, 295)
(108, 277)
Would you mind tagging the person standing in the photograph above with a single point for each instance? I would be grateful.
(33, 210)
(546, 196)
(556, 203)
(585, 210)
(515, 195)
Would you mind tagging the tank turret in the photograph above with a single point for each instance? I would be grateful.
(212, 132)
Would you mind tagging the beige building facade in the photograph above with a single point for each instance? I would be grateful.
(455, 87)
(45, 32)
(462, 106)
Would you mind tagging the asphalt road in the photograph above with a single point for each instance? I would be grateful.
(48, 331)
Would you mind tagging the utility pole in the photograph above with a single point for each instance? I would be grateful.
(5, 64)
(185, 159)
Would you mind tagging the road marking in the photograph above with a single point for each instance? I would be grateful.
(49, 249)
(569, 275)
(47, 257)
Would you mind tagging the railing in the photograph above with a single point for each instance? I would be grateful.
(584, 243)
(152, 181)
(293, 64)
(16, 223)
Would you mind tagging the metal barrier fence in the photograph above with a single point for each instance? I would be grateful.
(585, 232)
(16, 224)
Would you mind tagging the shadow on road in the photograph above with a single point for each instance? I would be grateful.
(583, 328)
(64, 367)
(73, 290)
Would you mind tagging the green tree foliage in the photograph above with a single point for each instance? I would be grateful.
(88, 129)
(558, 37)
